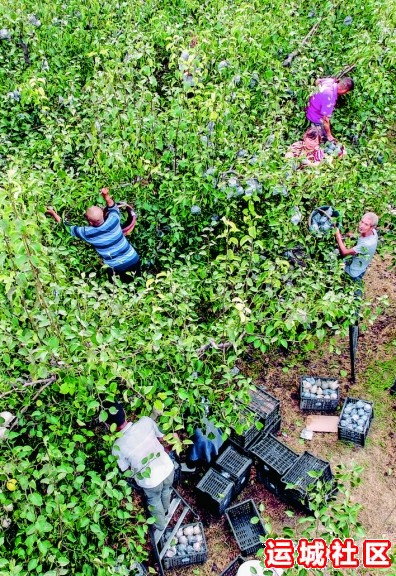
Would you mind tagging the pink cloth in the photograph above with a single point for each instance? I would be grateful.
(298, 150)
(323, 102)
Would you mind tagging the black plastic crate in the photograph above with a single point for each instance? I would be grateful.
(349, 435)
(273, 459)
(232, 569)
(188, 559)
(298, 475)
(247, 437)
(266, 406)
(273, 429)
(137, 569)
(324, 404)
(234, 465)
(215, 491)
(246, 534)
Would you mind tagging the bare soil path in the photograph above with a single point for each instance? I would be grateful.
(376, 371)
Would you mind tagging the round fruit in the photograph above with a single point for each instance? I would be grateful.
(8, 417)
(12, 484)
(188, 531)
(6, 522)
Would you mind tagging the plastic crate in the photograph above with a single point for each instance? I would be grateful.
(319, 404)
(298, 475)
(266, 410)
(232, 569)
(245, 447)
(273, 429)
(266, 406)
(215, 491)
(246, 534)
(273, 459)
(188, 559)
(247, 437)
(234, 465)
(137, 569)
(351, 435)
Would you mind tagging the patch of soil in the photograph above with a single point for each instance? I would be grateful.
(377, 491)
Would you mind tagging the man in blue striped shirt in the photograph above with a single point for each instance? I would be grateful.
(106, 236)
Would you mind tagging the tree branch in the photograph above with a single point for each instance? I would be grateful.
(292, 55)
(212, 344)
(25, 49)
(345, 71)
(45, 381)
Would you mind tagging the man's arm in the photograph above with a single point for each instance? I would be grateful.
(342, 248)
(109, 200)
(51, 212)
(327, 129)
(76, 231)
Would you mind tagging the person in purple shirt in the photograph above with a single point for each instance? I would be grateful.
(321, 104)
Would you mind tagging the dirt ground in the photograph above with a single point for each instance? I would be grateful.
(375, 372)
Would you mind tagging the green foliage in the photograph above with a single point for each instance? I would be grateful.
(99, 97)
(328, 520)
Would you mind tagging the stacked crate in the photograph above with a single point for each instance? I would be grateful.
(303, 485)
(273, 459)
(236, 466)
(215, 492)
(222, 483)
(264, 412)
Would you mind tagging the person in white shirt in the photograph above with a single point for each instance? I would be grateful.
(139, 450)
(365, 248)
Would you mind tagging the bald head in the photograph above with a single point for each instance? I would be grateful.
(94, 215)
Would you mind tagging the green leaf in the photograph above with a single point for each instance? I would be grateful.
(158, 405)
(32, 564)
(249, 328)
(103, 416)
(35, 499)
